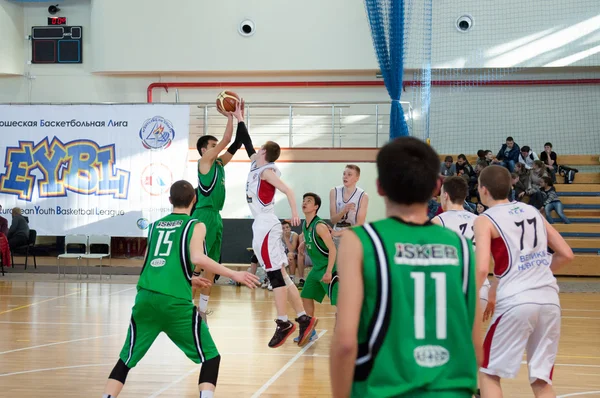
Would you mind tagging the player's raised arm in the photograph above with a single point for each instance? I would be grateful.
(324, 234)
(563, 254)
(202, 261)
(344, 345)
(211, 154)
(483, 236)
(269, 176)
(242, 137)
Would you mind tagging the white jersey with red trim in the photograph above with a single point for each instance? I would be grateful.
(460, 221)
(260, 195)
(349, 219)
(521, 258)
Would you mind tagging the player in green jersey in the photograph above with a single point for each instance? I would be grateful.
(407, 305)
(174, 258)
(322, 279)
(211, 187)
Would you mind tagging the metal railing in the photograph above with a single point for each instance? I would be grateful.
(305, 124)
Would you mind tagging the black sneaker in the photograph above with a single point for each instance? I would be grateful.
(300, 284)
(283, 331)
(307, 325)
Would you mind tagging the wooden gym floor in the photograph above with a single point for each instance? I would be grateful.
(62, 338)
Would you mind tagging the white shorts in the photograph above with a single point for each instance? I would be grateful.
(527, 326)
(267, 244)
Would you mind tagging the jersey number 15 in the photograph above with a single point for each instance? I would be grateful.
(164, 241)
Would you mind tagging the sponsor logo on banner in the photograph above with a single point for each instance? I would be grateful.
(157, 179)
(80, 166)
(157, 133)
(143, 223)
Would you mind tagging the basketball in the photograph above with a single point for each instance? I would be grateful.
(227, 100)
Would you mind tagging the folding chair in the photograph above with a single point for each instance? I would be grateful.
(29, 249)
(102, 242)
(73, 240)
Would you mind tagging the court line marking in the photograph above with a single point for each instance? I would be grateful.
(580, 317)
(578, 393)
(171, 384)
(575, 365)
(272, 320)
(39, 302)
(285, 367)
(57, 368)
(57, 343)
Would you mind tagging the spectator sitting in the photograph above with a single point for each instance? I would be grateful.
(3, 224)
(18, 234)
(527, 157)
(518, 190)
(463, 168)
(447, 169)
(550, 160)
(508, 155)
(552, 201)
(480, 157)
(481, 208)
(536, 199)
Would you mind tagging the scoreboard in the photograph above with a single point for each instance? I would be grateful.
(56, 44)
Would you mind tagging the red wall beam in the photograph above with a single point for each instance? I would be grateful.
(365, 83)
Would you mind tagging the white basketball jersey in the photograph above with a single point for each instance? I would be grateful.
(349, 219)
(260, 195)
(460, 221)
(521, 258)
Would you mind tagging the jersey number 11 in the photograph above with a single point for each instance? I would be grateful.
(440, 304)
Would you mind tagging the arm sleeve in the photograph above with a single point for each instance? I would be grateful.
(242, 132)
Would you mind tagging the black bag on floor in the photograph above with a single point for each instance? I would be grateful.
(568, 173)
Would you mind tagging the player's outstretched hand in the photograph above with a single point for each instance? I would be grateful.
(295, 221)
(246, 278)
(489, 310)
(201, 283)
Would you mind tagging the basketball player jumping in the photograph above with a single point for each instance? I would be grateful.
(453, 194)
(347, 203)
(211, 188)
(407, 292)
(263, 181)
(525, 292)
(164, 299)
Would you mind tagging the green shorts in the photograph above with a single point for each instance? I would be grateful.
(314, 289)
(214, 231)
(179, 319)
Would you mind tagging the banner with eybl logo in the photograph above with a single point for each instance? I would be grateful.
(91, 169)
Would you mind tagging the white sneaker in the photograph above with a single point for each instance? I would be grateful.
(270, 287)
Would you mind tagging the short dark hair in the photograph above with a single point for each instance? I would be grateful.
(481, 153)
(463, 157)
(285, 222)
(514, 175)
(182, 194)
(203, 142)
(548, 181)
(510, 139)
(408, 170)
(487, 151)
(456, 188)
(448, 159)
(272, 151)
(496, 179)
(315, 197)
(548, 144)
(353, 167)
(525, 148)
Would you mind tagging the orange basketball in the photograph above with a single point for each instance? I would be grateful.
(227, 100)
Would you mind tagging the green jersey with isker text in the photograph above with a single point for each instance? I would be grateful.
(315, 246)
(168, 268)
(418, 311)
(211, 187)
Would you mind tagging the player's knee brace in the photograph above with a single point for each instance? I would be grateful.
(119, 372)
(276, 279)
(210, 371)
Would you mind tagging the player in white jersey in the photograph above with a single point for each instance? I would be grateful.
(263, 181)
(347, 203)
(524, 295)
(452, 197)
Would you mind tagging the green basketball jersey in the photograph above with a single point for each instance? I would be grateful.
(167, 267)
(211, 187)
(416, 321)
(315, 246)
